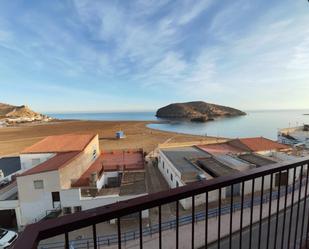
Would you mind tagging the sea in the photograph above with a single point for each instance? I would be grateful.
(255, 123)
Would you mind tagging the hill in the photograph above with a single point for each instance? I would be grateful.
(198, 111)
(10, 114)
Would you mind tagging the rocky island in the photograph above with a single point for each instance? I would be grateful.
(197, 111)
(10, 115)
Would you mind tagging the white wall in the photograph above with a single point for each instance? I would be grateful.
(72, 197)
(169, 169)
(27, 163)
(104, 178)
(186, 203)
(35, 202)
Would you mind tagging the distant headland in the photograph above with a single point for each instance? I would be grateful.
(10, 115)
(197, 111)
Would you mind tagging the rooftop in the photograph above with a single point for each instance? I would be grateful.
(122, 160)
(181, 158)
(220, 148)
(234, 162)
(58, 161)
(112, 161)
(60, 143)
(256, 159)
(215, 167)
(256, 144)
(133, 183)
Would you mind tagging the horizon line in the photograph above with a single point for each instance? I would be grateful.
(144, 111)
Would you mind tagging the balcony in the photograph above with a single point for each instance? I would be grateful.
(261, 208)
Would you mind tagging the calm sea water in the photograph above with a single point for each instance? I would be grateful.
(256, 123)
(107, 116)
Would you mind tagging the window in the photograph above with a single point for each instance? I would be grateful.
(94, 154)
(55, 196)
(167, 171)
(177, 184)
(163, 165)
(77, 209)
(67, 210)
(35, 161)
(171, 177)
(38, 184)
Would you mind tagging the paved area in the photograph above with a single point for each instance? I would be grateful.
(156, 183)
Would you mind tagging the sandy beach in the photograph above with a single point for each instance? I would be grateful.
(14, 139)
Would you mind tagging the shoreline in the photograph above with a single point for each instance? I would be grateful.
(14, 139)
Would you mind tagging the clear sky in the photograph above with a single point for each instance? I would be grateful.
(88, 55)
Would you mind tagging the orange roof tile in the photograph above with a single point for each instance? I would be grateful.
(61, 143)
(262, 144)
(58, 161)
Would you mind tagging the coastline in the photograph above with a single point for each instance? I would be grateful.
(15, 138)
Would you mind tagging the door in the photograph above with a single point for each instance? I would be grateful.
(55, 199)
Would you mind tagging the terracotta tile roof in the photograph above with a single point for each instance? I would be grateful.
(112, 161)
(58, 161)
(255, 144)
(222, 148)
(61, 143)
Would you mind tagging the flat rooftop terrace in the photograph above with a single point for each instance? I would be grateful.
(182, 157)
(132, 183)
(127, 160)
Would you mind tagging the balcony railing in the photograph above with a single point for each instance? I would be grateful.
(261, 208)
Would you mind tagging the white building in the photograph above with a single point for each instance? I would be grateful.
(181, 165)
(295, 136)
(67, 173)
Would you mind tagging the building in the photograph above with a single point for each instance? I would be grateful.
(181, 165)
(68, 173)
(296, 136)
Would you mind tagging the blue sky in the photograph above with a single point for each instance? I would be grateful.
(88, 55)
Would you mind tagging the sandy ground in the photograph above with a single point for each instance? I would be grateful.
(14, 139)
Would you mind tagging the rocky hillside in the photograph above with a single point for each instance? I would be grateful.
(197, 111)
(10, 114)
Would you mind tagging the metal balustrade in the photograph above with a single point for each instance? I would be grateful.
(284, 226)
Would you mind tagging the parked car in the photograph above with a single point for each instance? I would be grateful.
(7, 238)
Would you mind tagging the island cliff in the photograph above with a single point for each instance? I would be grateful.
(197, 111)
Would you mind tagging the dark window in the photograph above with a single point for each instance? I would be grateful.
(67, 210)
(77, 209)
(177, 184)
(94, 154)
(171, 177)
(163, 165)
(55, 196)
